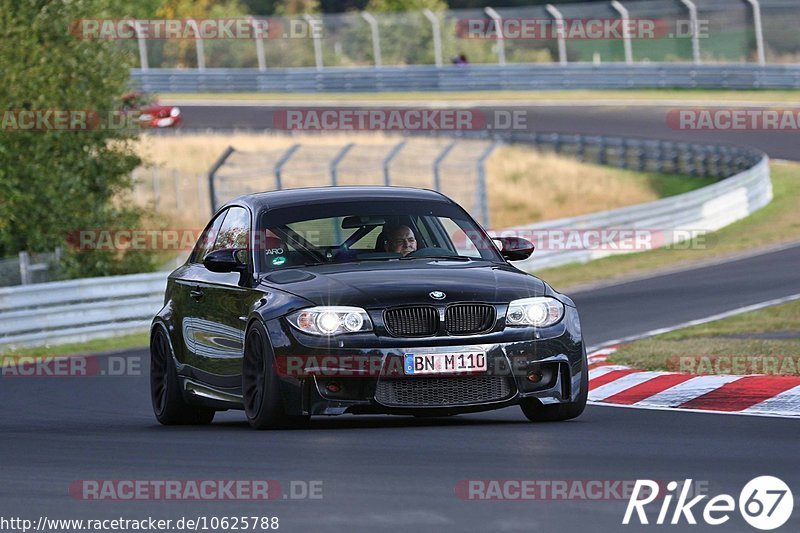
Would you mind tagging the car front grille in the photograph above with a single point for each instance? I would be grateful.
(422, 321)
(443, 391)
(465, 319)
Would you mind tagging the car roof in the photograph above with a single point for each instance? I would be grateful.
(319, 195)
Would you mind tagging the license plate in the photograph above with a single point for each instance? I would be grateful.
(444, 363)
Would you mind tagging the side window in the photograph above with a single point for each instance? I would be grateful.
(235, 230)
(464, 242)
(206, 242)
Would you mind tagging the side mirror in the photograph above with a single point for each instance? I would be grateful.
(514, 248)
(226, 260)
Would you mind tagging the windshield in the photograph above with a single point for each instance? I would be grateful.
(344, 232)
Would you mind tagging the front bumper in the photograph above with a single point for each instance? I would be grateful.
(364, 373)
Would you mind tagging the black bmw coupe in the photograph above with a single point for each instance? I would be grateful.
(335, 300)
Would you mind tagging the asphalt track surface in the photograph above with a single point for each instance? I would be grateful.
(621, 120)
(399, 473)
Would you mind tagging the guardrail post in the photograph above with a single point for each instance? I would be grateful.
(316, 38)
(759, 31)
(24, 268)
(437, 35)
(388, 160)
(258, 35)
(560, 32)
(143, 63)
(376, 36)
(695, 29)
(335, 163)
(482, 202)
(280, 164)
(498, 26)
(437, 179)
(626, 30)
(212, 176)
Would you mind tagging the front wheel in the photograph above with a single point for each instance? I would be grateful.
(263, 404)
(535, 411)
(168, 404)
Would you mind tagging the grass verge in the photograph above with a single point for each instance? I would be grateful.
(111, 344)
(699, 95)
(766, 341)
(524, 185)
(778, 222)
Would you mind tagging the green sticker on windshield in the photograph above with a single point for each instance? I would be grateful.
(278, 261)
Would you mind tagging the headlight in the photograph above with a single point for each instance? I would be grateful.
(539, 312)
(331, 320)
(175, 111)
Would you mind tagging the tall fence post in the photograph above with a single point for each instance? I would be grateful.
(335, 163)
(626, 30)
(280, 164)
(198, 43)
(560, 32)
(437, 163)
(437, 35)
(376, 36)
(142, 42)
(212, 176)
(759, 31)
(695, 29)
(481, 200)
(258, 35)
(313, 26)
(388, 160)
(498, 26)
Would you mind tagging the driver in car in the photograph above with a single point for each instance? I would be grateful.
(401, 239)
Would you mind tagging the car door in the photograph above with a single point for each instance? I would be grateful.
(182, 293)
(222, 301)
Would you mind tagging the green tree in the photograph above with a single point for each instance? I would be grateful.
(53, 182)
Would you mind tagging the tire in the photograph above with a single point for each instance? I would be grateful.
(535, 411)
(263, 404)
(168, 404)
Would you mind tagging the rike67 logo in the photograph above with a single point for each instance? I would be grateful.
(765, 503)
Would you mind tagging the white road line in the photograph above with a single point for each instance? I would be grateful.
(785, 402)
(688, 390)
(618, 385)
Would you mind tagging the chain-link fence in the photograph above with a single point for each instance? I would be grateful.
(659, 31)
(453, 166)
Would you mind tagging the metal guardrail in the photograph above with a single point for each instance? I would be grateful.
(71, 311)
(77, 310)
(516, 77)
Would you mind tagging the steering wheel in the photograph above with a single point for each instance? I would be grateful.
(432, 251)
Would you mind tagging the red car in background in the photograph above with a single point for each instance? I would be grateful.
(151, 113)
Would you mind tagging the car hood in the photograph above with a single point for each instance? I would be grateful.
(391, 283)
